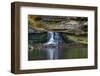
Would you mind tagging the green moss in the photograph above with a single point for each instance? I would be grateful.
(75, 38)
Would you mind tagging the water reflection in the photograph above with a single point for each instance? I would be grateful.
(55, 48)
(53, 41)
(52, 53)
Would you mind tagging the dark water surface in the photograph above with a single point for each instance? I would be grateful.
(52, 53)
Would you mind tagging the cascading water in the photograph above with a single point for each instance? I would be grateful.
(53, 39)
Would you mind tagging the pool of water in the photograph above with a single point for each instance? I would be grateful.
(53, 53)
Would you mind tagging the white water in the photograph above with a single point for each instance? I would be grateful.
(52, 53)
(54, 39)
(51, 38)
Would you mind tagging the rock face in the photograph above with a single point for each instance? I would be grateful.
(56, 23)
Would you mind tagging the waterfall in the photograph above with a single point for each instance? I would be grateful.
(53, 38)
